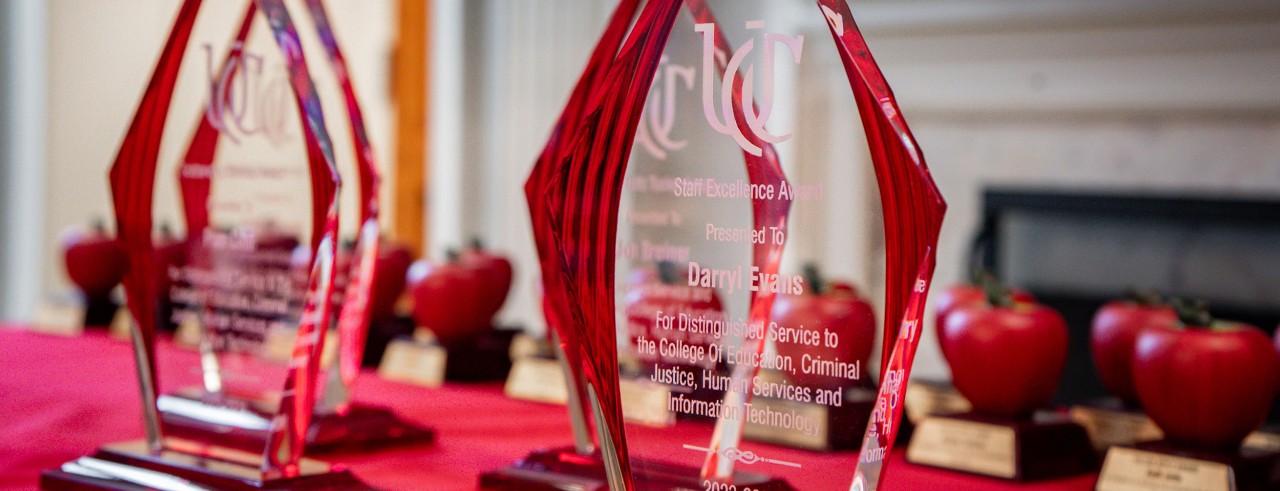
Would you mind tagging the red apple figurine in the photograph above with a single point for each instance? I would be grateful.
(1006, 358)
(835, 307)
(391, 267)
(970, 294)
(497, 273)
(1206, 383)
(449, 299)
(95, 262)
(662, 291)
(1114, 330)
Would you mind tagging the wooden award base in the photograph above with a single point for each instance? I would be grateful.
(486, 358)
(1021, 450)
(128, 467)
(1159, 465)
(361, 428)
(839, 426)
(560, 469)
(98, 312)
(1110, 422)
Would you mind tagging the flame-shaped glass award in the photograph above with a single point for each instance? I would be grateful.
(255, 182)
(701, 162)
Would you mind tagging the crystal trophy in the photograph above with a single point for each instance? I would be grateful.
(687, 183)
(257, 189)
(338, 423)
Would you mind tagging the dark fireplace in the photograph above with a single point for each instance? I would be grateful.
(1077, 250)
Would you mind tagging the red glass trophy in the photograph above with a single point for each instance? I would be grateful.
(258, 187)
(675, 205)
(337, 423)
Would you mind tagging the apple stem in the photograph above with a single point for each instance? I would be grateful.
(997, 294)
(452, 254)
(1146, 298)
(477, 243)
(98, 225)
(1193, 313)
(979, 275)
(813, 275)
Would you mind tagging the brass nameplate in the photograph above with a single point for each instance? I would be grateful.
(537, 379)
(188, 333)
(1263, 440)
(59, 319)
(967, 446)
(121, 325)
(280, 342)
(413, 363)
(1129, 469)
(526, 346)
(932, 399)
(1108, 427)
(645, 402)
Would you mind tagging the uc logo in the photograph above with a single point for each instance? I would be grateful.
(725, 122)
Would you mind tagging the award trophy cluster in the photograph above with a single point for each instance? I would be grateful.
(256, 185)
(674, 208)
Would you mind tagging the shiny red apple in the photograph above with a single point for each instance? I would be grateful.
(654, 292)
(95, 262)
(449, 299)
(1005, 359)
(1206, 383)
(497, 272)
(827, 307)
(1113, 332)
(391, 266)
(974, 294)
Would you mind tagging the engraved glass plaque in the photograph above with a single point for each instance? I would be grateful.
(691, 176)
(233, 145)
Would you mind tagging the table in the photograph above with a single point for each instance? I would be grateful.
(62, 397)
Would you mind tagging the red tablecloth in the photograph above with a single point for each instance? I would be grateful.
(61, 398)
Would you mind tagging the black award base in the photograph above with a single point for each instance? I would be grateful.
(1015, 449)
(560, 469)
(1161, 465)
(485, 358)
(128, 467)
(360, 428)
(98, 312)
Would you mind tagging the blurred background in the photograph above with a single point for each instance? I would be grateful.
(1086, 146)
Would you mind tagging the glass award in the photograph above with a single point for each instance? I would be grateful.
(701, 162)
(255, 182)
(337, 422)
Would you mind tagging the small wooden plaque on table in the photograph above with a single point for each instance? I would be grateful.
(414, 362)
(1110, 423)
(1020, 449)
(121, 326)
(537, 379)
(279, 346)
(59, 319)
(1159, 466)
(929, 398)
